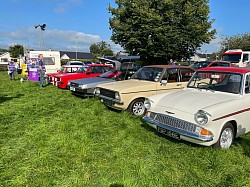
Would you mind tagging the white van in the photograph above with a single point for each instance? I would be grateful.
(51, 59)
(237, 57)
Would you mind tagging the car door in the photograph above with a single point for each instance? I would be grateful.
(245, 127)
(170, 81)
(174, 79)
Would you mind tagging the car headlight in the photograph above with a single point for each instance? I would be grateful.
(83, 86)
(201, 117)
(117, 96)
(69, 83)
(148, 103)
(97, 91)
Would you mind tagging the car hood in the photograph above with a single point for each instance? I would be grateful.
(92, 82)
(129, 85)
(192, 100)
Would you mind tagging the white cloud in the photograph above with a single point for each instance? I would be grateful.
(67, 40)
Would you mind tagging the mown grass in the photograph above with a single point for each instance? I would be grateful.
(49, 137)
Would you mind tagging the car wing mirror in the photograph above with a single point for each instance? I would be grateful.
(163, 82)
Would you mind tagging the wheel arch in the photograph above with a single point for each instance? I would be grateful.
(134, 100)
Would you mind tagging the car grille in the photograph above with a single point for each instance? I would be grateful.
(107, 93)
(74, 84)
(173, 122)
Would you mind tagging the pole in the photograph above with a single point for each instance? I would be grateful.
(76, 47)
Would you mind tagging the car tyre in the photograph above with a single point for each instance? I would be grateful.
(137, 107)
(226, 138)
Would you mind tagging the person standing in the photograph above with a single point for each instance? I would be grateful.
(41, 70)
(28, 66)
(11, 69)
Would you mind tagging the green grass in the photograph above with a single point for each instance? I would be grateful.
(49, 137)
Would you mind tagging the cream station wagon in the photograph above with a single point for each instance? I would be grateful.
(213, 109)
(147, 81)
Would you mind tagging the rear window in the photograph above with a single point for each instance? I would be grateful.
(49, 60)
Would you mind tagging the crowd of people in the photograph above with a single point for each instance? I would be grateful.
(30, 63)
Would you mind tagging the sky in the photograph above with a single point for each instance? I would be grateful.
(73, 25)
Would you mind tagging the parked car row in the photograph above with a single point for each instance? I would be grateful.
(206, 106)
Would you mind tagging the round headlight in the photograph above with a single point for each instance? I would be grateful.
(147, 103)
(117, 96)
(201, 117)
(97, 91)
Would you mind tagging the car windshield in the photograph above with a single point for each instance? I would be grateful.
(109, 74)
(82, 69)
(148, 73)
(198, 65)
(231, 57)
(216, 81)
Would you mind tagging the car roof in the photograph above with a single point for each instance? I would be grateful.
(168, 66)
(74, 66)
(241, 70)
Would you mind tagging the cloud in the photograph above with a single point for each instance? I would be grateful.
(213, 46)
(67, 40)
(63, 7)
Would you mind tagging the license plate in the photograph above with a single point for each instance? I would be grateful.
(72, 89)
(168, 133)
(108, 102)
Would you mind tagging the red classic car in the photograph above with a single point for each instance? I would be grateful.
(64, 69)
(92, 70)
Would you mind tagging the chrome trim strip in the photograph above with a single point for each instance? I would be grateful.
(183, 133)
(109, 99)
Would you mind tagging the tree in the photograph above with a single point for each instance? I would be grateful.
(240, 41)
(158, 30)
(16, 50)
(101, 49)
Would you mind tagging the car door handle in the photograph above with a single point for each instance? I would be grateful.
(178, 85)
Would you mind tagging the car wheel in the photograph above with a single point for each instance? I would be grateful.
(137, 107)
(226, 138)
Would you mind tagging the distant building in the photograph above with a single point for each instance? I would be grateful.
(4, 57)
(198, 57)
(67, 55)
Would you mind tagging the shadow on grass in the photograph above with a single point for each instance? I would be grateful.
(116, 185)
(4, 98)
(245, 144)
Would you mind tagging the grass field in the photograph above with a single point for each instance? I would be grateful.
(49, 137)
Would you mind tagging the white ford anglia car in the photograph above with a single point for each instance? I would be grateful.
(213, 109)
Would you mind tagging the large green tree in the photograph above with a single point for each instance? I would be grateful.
(158, 30)
(101, 49)
(240, 41)
(16, 50)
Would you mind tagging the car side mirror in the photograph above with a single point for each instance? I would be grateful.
(163, 82)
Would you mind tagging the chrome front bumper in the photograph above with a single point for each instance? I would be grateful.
(156, 124)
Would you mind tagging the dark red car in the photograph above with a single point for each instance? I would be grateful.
(92, 70)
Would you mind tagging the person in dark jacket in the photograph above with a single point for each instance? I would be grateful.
(11, 69)
(41, 70)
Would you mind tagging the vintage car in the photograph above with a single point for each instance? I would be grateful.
(215, 63)
(63, 70)
(86, 87)
(213, 109)
(147, 81)
(92, 70)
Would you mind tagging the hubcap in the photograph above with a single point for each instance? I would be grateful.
(138, 108)
(226, 138)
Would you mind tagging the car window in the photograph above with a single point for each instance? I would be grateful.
(148, 73)
(186, 74)
(217, 81)
(171, 75)
(247, 84)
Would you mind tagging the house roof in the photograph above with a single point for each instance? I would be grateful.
(203, 55)
(77, 55)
